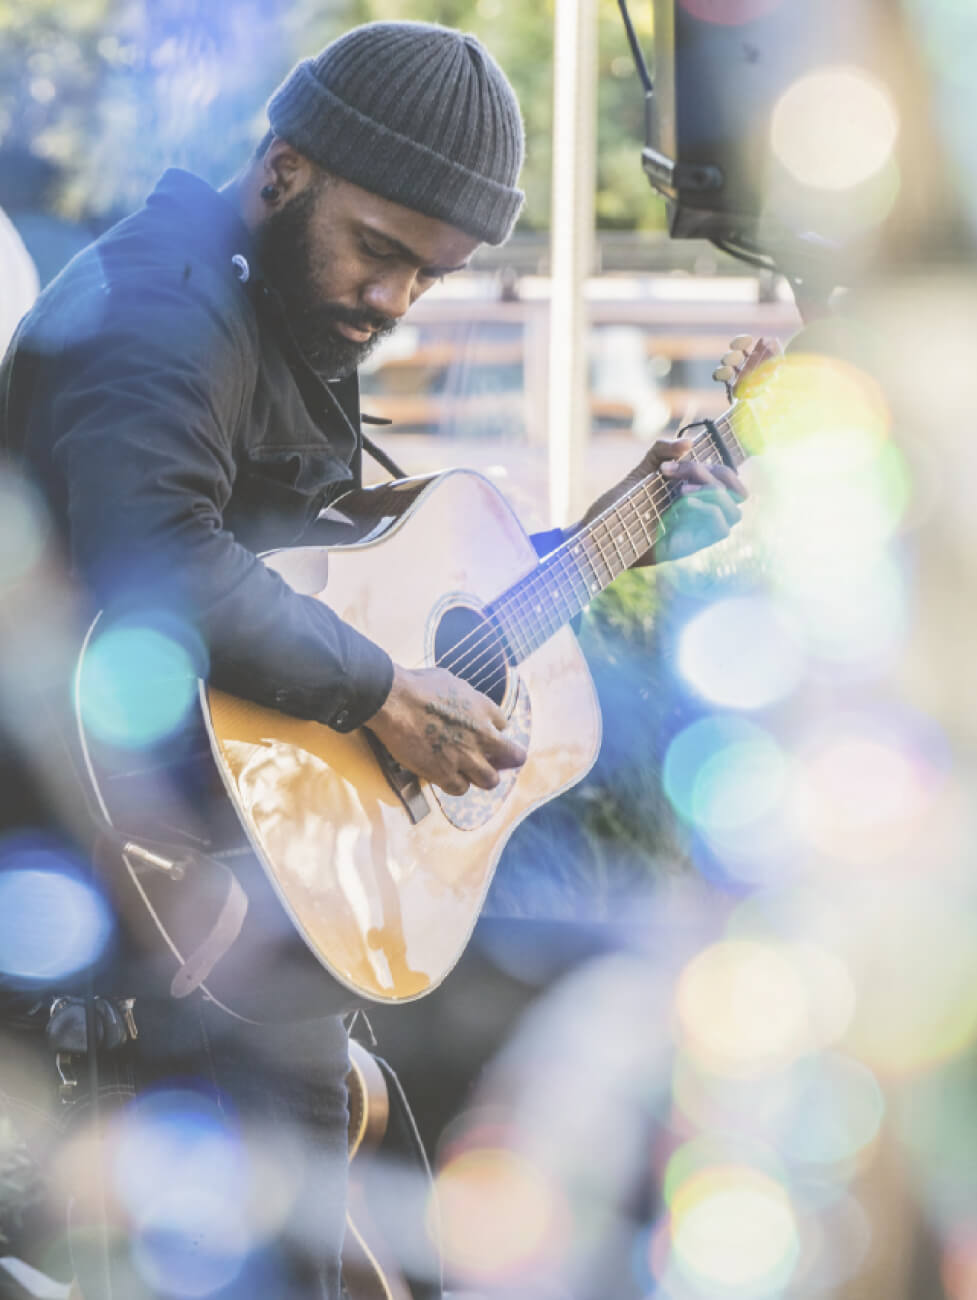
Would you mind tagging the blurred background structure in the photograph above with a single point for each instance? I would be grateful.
(715, 1037)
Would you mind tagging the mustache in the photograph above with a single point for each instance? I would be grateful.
(329, 313)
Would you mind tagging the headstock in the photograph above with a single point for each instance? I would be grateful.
(744, 358)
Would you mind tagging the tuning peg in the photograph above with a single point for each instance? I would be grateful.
(742, 343)
(733, 359)
(724, 374)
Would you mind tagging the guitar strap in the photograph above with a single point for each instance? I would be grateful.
(378, 454)
(230, 917)
(224, 931)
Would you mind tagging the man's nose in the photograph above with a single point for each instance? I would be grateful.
(391, 295)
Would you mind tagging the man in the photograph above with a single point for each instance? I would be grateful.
(185, 394)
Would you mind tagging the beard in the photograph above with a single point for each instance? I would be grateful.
(288, 262)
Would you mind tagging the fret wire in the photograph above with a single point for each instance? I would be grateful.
(535, 638)
(733, 442)
(611, 575)
(543, 595)
(576, 576)
(723, 427)
(630, 506)
(512, 631)
(532, 600)
(570, 594)
(518, 601)
(539, 608)
(596, 549)
(579, 546)
(635, 529)
(616, 516)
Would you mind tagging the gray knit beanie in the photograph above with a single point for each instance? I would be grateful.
(416, 113)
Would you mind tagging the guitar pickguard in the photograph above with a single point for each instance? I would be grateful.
(469, 811)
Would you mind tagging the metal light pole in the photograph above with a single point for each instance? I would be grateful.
(571, 250)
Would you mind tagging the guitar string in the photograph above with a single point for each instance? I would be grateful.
(491, 640)
(490, 644)
(494, 639)
(495, 676)
(600, 547)
(662, 491)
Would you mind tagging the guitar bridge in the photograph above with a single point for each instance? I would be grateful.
(401, 780)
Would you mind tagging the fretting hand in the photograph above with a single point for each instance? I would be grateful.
(703, 512)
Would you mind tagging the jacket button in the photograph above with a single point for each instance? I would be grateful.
(341, 718)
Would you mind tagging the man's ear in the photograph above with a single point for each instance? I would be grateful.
(286, 169)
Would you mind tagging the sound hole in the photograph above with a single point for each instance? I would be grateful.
(467, 644)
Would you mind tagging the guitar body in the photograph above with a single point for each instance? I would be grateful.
(386, 903)
(368, 875)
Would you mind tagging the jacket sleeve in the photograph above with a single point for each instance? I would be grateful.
(143, 412)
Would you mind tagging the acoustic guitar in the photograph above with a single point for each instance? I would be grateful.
(352, 866)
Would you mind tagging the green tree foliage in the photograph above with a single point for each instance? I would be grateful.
(114, 91)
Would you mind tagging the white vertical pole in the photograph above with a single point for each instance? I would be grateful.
(571, 251)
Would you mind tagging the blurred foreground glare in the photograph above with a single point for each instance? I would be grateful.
(193, 1198)
(834, 127)
(136, 687)
(779, 1084)
(53, 922)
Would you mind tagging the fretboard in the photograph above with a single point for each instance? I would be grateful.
(567, 579)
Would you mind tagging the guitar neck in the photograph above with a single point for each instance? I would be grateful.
(569, 578)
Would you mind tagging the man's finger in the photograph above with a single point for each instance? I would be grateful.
(504, 753)
(484, 775)
(667, 449)
(731, 481)
(455, 785)
(717, 497)
(689, 471)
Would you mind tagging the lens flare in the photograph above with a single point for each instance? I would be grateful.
(863, 789)
(180, 1176)
(837, 1110)
(935, 1120)
(52, 923)
(806, 394)
(851, 621)
(734, 1227)
(499, 1214)
(834, 128)
(729, 13)
(743, 1008)
(915, 967)
(23, 528)
(822, 522)
(136, 686)
(741, 653)
(189, 1244)
(723, 773)
(178, 1140)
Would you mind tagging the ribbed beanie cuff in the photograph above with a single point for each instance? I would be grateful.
(418, 114)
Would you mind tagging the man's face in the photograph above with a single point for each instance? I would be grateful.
(347, 265)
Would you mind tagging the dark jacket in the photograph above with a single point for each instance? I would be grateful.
(153, 394)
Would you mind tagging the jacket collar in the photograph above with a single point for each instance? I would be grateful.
(211, 224)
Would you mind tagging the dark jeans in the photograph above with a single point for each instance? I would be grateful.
(225, 1163)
